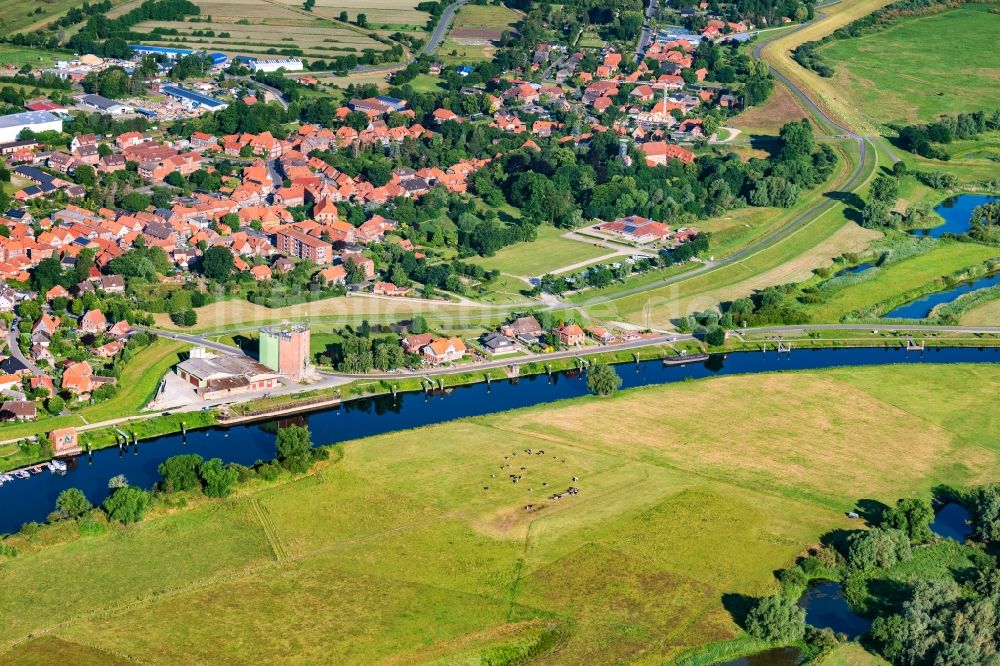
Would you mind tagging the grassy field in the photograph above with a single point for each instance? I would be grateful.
(238, 314)
(473, 32)
(258, 26)
(397, 554)
(899, 278)
(922, 66)
(549, 252)
(315, 37)
(987, 314)
(18, 56)
(826, 95)
(781, 107)
(378, 12)
(17, 16)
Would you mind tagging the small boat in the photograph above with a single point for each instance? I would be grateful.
(685, 358)
(57, 466)
(22, 474)
(5, 478)
(37, 469)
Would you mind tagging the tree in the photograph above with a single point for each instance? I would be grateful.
(418, 325)
(127, 505)
(986, 513)
(294, 448)
(186, 317)
(885, 189)
(877, 548)
(219, 479)
(217, 263)
(85, 175)
(912, 516)
(777, 619)
(602, 379)
(72, 503)
(362, 21)
(180, 472)
(54, 404)
(342, 16)
(716, 337)
(876, 214)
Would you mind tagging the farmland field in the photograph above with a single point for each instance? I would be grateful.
(319, 39)
(922, 66)
(390, 12)
(396, 553)
(987, 314)
(17, 16)
(548, 252)
(474, 32)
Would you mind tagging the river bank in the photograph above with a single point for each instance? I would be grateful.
(247, 443)
(148, 427)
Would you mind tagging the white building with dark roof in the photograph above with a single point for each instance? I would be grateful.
(13, 124)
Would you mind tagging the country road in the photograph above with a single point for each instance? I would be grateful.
(441, 29)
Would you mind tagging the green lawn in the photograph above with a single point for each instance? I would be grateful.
(18, 56)
(922, 66)
(415, 547)
(547, 253)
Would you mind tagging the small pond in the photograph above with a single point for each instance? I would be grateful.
(956, 212)
(952, 522)
(786, 656)
(826, 608)
(853, 269)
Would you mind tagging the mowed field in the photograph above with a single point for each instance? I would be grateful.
(256, 27)
(415, 547)
(549, 252)
(318, 40)
(922, 66)
(378, 12)
(475, 29)
(238, 314)
(987, 314)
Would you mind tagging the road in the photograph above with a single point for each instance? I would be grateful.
(647, 32)
(15, 350)
(441, 29)
(666, 338)
(192, 339)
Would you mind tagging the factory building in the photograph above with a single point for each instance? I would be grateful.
(13, 124)
(285, 349)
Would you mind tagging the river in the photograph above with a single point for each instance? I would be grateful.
(33, 498)
(922, 307)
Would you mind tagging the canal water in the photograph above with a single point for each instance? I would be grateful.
(34, 498)
(957, 213)
(922, 307)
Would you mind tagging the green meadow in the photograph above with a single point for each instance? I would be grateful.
(922, 67)
(415, 547)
